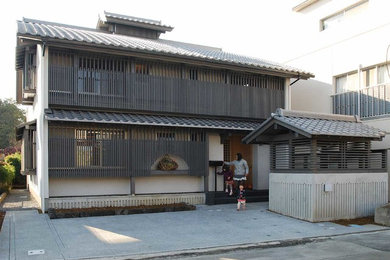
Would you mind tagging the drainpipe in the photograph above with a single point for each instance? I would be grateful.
(360, 78)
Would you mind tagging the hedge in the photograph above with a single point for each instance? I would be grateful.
(15, 160)
(7, 175)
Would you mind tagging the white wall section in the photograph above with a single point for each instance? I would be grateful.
(351, 196)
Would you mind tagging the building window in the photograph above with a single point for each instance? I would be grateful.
(165, 136)
(142, 69)
(89, 145)
(193, 74)
(29, 150)
(376, 76)
(344, 14)
(226, 150)
(197, 137)
(383, 74)
(30, 80)
(99, 75)
(347, 82)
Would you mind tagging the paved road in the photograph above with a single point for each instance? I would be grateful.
(145, 235)
(362, 246)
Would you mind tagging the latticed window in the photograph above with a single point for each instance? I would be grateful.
(100, 75)
(226, 150)
(141, 68)
(30, 80)
(166, 136)
(89, 145)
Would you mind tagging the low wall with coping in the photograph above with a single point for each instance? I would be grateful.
(325, 197)
(125, 201)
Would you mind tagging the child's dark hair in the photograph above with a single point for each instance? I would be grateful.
(239, 156)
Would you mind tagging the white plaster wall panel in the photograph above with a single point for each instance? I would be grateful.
(312, 95)
(88, 186)
(125, 201)
(383, 124)
(302, 195)
(40, 103)
(168, 184)
(215, 154)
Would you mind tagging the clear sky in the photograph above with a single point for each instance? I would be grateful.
(259, 28)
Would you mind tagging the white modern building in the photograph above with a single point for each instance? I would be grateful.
(346, 44)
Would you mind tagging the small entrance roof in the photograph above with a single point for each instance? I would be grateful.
(311, 124)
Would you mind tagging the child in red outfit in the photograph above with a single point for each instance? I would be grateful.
(241, 200)
(228, 178)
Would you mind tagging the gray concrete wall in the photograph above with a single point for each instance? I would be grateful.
(261, 167)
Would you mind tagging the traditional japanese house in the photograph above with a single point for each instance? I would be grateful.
(108, 106)
(322, 166)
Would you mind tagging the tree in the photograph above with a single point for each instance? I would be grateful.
(10, 117)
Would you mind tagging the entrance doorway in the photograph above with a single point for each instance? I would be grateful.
(231, 146)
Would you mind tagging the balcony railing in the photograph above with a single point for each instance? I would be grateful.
(130, 91)
(372, 101)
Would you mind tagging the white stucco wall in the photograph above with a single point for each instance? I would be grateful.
(215, 154)
(88, 186)
(349, 196)
(352, 43)
(39, 184)
(311, 95)
(168, 184)
(383, 124)
(261, 167)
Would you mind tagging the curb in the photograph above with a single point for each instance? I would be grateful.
(3, 196)
(229, 248)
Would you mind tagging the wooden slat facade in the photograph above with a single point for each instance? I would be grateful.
(122, 83)
(94, 151)
(29, 163)
(316, 155)
(374, 101)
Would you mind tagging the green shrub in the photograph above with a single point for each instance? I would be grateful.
(7, 175)
(15, 160)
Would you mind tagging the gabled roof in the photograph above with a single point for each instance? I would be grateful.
(135, 21)
(311, 124)
(52, 32)
(150, 120)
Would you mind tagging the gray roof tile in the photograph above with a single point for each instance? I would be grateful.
(141, 119)
(45, 29)
(331, 127)
(315, 124)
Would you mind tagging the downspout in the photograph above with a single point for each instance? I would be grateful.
(359, 89)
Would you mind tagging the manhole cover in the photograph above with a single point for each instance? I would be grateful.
(36, 252)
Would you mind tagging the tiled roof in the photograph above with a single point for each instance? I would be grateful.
(151, 120)
(135, 19)
(55, 31)
(315, 124)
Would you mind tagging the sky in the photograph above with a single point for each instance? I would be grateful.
(258, 28)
